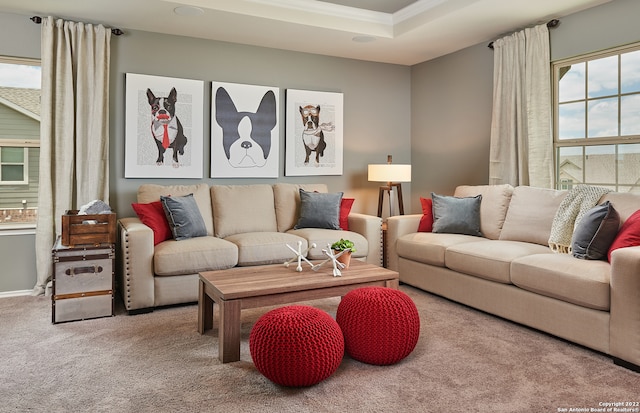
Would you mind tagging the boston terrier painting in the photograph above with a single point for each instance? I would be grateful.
(166, 128)
(312, 135)
(246, 136)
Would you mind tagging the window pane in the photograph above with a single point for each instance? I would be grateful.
(603, 77)
(571, 85)
(603, 118)
(629, 164)
(630, 72)
(12, 173)
(630, 115)
(12, 155)
(571, 121)
(600, 164)
(570, 166)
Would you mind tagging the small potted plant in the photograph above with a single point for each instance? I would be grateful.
(344, 245)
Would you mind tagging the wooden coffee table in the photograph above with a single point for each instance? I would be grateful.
(239, 288)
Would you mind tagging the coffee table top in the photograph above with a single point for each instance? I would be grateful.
(240, 282)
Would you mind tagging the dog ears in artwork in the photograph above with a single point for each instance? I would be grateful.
(173, 96)
(266, 113)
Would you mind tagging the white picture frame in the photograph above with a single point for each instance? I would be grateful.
(303, 146)
(245, 131)
(142, 153)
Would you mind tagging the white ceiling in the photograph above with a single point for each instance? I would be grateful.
(402, 31)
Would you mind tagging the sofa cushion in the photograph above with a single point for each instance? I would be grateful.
(194, 255)
(151, 192)
(183, 216)
(261, 248)
(319, 210)
(153, 216)
(430, 247)
(490, 260)
(454, 215)
(561, 276)
(321, 237)
(494, 206)
(238, 209)
(345, 209)
(530, 214)
(287, 202)
(595, 232)
(426, 221)
(628, 236)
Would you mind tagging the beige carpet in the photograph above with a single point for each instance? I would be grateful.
(465, 361)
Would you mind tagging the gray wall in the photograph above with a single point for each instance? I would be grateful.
(435, 115)
(376, 104)
(376, 111)
(451, 98)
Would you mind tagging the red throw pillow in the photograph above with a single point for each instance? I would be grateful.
(426, 222)
(628, 235)
(152, 215)
(345, 208)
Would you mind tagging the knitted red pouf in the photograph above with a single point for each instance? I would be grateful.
(380, 325)
(296, 346)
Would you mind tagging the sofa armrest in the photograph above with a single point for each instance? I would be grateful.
(624, 326)
(370, 227)
(397, 226)
(136, 264)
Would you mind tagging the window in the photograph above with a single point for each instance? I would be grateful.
(597, 120)
(19, 141)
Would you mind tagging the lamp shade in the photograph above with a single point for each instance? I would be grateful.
(389, 173)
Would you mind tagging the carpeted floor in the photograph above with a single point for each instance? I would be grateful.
(465, 361)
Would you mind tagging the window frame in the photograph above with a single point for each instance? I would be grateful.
(19, 228)
(24, 164)
(587, 142)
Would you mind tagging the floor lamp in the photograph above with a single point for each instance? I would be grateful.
(393, 175)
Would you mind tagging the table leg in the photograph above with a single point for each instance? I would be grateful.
(392, 284)
(205, 310)
(229, 331)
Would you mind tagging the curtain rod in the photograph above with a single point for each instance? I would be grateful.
(38, 20)
(552, 24)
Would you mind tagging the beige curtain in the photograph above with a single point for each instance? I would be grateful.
(74, 128)
(521, 151)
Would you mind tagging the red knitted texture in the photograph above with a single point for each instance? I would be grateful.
(296, 346)
(380, 325)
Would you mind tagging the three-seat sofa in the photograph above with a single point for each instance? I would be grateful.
(245, 225)
(510, 270)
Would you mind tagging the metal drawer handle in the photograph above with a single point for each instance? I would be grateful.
(94, 269)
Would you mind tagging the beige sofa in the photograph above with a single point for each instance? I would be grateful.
(511, 272)
(246, 225)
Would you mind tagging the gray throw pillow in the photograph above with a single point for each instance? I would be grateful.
(319, 210)
(595, 232)
(184, 217)
(455, 215)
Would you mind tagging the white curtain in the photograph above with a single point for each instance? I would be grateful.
(74, 128)
(521, 151)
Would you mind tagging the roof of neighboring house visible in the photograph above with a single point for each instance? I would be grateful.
(26, 101)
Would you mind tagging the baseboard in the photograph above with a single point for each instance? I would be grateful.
(19, 293)
(626, 364)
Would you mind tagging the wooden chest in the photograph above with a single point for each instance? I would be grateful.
(83, 282)
(88, 229)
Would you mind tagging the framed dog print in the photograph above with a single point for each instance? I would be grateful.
(163, 127)
(314, 133)
(245, 133)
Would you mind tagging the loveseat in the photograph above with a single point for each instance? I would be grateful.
(244, 225)
(509, 269)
